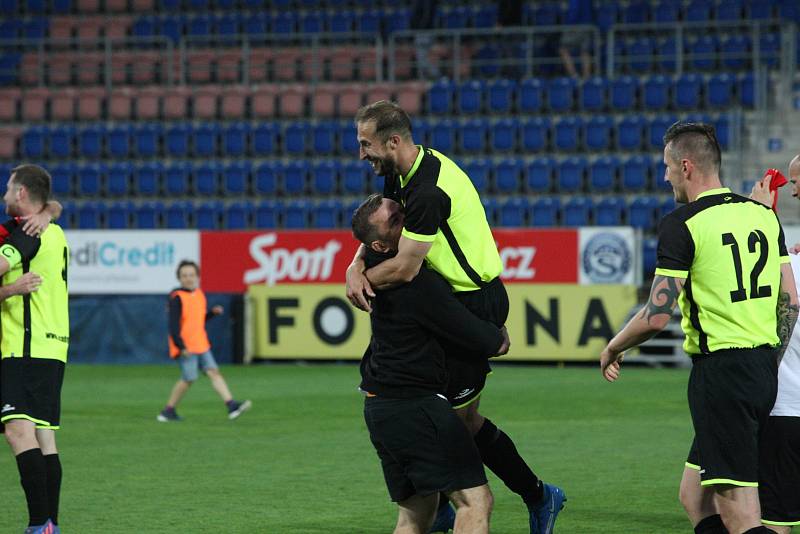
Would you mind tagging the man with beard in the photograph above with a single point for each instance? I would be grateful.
(445, 226)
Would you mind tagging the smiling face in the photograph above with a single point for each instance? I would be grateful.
(794, 176)
(388, 220)
(377, 152)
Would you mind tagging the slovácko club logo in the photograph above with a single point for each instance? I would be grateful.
(606, 258)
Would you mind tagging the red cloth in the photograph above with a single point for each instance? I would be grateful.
(778, 180)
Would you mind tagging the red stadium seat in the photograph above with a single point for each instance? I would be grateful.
(379, 91)
(118, 26)
(262, 101)
(120, 104)
(121, 66)
(62, 27)
(148, 102)
(9, 102)
(233, 102)
(351, 98)
(89, 68)
(198, 66)
(32, 69)
(404, 60)
(323, 100)
(144, 67)
(140, 6)
(34, 104)
(284, 64)
(228, 66)
(90, 103)
(409, 96)
(260, 60)
(62, 104)
(59, 68)
(88, 6)
(292, 100)
(175, 102)
(343, 63)
(9, 135)
(116, 6)
(206, 102)
(90, 27)
(367, 64)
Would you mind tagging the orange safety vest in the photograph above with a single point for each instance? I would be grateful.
(193, 322)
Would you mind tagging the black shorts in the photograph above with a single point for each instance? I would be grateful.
(467, 373)
(779, 471)
(423, 446)
(30, 388)
(731, 393)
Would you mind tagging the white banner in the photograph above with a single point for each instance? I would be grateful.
(609, 255)
(128, 261)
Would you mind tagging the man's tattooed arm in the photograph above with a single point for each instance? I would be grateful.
(787, 311)
(663, 297)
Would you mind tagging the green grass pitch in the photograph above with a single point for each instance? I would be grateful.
(300, 461)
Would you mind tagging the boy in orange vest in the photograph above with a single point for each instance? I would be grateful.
(188, 343)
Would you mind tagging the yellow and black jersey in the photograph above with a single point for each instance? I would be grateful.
(442, 207)
(35, 325)
(729, 249)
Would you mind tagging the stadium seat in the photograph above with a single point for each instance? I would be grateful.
(206, 179)
(34, 142)
(594, 94)
(642, 212)
(567, 133)
(354, 177)
(479, 171)
(503, 135)
(63, 176)
(90, 215)
(578, 211)
(208, 215)
(90, 178)
(649, 255)
(118, 216)
(118, 141)
(265, 139)
(729, 10)
(295, 138)
(639, 54)
(501, 95)
(205, 138)
(118, 180)
(719, 91)
(472, 135)
(531, 95)
(570, 175)
(268, 214)
(544, 212)
(609, 211)
(323, 137)
(722, 126)
(490, 208)
(440, 97)
(238, 215)
(534, 134)
(327, 214)
(236, 178)
(347, 140)
(703, 53)
(561, 94)
(61, 141)
(687, 91)
(607, 14)
(176, 140)
(734, 51)
(507, 175)
(297, 215)
(747, 90)
(443, 135)
(598, 132)
(637, 12)
(421, 130)
(658, 127)
(635, 174)
(235, 139)
(470, 97)
(293, 178)
(147, 178)
(658, 171)
(146, 139)
(177, 215)
(623, 93)
(698, 11)
(539, 175)
(266, 179)
(324, 178)
(177, 176)
(760, 10)
(655, 93)
(512, 212)
(769, 48)
(603, 174)
(90, 141)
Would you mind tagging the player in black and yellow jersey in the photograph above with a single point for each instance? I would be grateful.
(34, 337)
(723, 259)
(445, 226)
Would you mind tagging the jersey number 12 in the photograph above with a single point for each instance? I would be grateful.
(756, 237)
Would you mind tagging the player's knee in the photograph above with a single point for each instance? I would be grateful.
(212, 373)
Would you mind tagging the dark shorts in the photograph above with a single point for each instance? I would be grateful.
(779, 471)
(731, 393)
(423, 446)
(467, 373)
(30, 388)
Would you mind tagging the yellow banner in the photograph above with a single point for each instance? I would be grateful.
(546, 322)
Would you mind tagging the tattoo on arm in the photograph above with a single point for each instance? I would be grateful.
(663, 297)
(787, 317)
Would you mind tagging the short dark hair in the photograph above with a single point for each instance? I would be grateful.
(187, 263)
(695, 141)
(363, 229)
(35, 179)
(390, 119)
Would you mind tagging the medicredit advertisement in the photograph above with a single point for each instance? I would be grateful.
(128, 261)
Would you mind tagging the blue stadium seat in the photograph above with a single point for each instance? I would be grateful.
(323, 137)
(33, 142)
(324, 178)
(147, 179)
(470, 96)
(205, 138)
(635, 174)
(147, 215)
(354, 175)
(567, 133)
(789, 10)
(658, 127)
(208, 215)
(293, 177)
(266, 179)
(478, 171)
(62, 176)
(728, 10)
(503, 135)
(722, 126)
(265, 139)
(176, 140)
(484, 16)
(609, 211)
(512, 212)
(144, 26)
(369, 21)
(637, 12)
(490, 207)
(119, 215)
(206, 178)
(90, 215)
(118, 141)
(234, 139)
(268, 214)
(295, 138)
(487, 61)
(539, 175)
(199, 26)
(761, 10)
(396, 20)
(472, 135)
(285, 23)
(228, 25)
(35, 28)
(769, 48)
(545, 14)
(507, 175)
(667, 50)
(90, 179)
(238, 215)
(531, 95)
(594, 94)
(177, 215)
(297, 215)
(421, 131)
(68, 215)
(649, 255)
(571, 172)
(561, 94)
(501, 95)
(687, 91)
(747, 90)
(630, 132)
(440, 97)
(719, 91)
(578, 211)
(703, 53)
(348, 142)
(534, 134)
(734, 51)
(118, 179)
(342, 21)
(598, 132)
(623, 93)
(172, 27)
(257, 24)
(236, 178)
(666, 206)
(177, 176)
(327, 214)
(443, 135)
(312, 22)
(61, 141)
(655, 92)
(658, 171)
(146, 139)
(603, 174)
(90, 141)
(642, 212)
(698, 11)
(607, 14)
(544, 212)
(639, 54)
(666, 11)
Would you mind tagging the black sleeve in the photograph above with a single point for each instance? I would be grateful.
(441, 313)
(391, 188)
(175, 312)
(675, 245)
(26, 245)
(782, 251)
(427, 208)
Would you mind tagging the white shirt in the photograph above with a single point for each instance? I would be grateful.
(788, 401)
